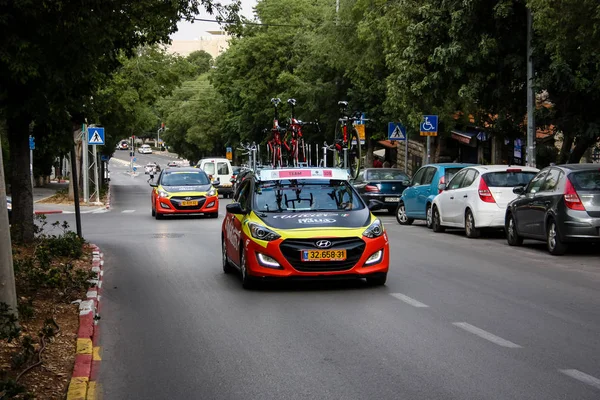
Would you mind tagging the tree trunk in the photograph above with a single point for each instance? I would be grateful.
(77, 144)
(8, 292)
(565, 149)
(581, 146)
(22, 192)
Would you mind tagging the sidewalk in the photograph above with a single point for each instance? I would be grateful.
(41, 193)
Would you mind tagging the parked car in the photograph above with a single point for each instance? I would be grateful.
(561, 205)
(383, 184)
(123, 145)
(415, 202)
(477, 197)
(145, 149)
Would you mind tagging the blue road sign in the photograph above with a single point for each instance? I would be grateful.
(429, 126)
(396, 131)
(134, 169)
(134, 159)
(31, 143)
(105, 158)
(96, 136)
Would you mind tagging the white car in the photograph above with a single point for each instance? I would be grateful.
(145, 149)
(477, 197)
(149, 167)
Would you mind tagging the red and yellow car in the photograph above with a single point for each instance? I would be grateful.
(181, 191)
(307, 223)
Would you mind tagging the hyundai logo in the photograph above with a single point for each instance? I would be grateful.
(187, 198)
(323, 244)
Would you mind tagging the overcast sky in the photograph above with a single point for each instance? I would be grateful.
(191, 31)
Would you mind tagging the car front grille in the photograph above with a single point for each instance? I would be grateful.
(176, 202)
(291, 249)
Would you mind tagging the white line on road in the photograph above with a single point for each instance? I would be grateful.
(582, 377)
(128, 211)
(486, 335)
(408, 300)
(100, 211)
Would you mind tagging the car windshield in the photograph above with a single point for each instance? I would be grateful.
(187, 178)
(305, 195)
(387, 175)
(586, 180)
(508, 178)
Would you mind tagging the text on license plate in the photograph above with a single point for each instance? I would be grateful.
(323, 255)
(392, 199)
(189, 203)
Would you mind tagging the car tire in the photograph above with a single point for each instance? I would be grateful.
(470, 230)
(153, 212)
(158, 215)
(227, 267)
(378, 280)
(401, 215)
(555, 245)
(247, 281)
(428, 216)
(436, 222)
(512, 236)
(214, 215)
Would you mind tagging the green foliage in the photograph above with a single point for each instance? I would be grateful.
(9, 328)
(201, 62)
(12, 390)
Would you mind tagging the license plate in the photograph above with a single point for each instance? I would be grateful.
(189, 203)
(323, 255)
(392, 199)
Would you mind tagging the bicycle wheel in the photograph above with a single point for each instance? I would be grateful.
(354, 154)
(301, 151)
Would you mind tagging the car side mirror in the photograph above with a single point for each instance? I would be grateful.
(375, 205)
(442, 186)
(216, 182)
(153, 184)
(519, 190)
(235, 208)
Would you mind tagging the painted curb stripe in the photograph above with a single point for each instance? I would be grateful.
(77, 389)
(84, 346)
(83, 366)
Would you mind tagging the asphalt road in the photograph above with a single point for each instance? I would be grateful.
(458, 318)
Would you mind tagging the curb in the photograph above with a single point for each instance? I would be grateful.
(40, 212)
(87, 358)
(107, 206)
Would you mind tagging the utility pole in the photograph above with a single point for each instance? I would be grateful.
(530, 94)
(8, 291)
(84, 168)
(76, 190)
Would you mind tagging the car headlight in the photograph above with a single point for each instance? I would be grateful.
(374, 230)
(212, 191)
(262, 233)
(162, 193)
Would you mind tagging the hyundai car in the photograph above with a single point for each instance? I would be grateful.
(303, 224)
(180, 191)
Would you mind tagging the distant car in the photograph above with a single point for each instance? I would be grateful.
(561, 205)
(184, 191)
(9, 207)
(149, 167)
(383, 184)
(123, 145)
(172, 164)
(416, 200)
(145, 149)
(477, 197)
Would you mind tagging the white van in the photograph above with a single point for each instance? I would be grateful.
(219, 168)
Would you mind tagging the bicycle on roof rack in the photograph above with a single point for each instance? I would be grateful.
(275, 144)
(346, 144)
(297, 148)
(250, 150)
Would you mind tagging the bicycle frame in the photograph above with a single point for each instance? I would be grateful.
(275, 143)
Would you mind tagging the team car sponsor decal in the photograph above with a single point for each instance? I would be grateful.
(353, 219)
(233, 234)
(203, 188)
(316, 220)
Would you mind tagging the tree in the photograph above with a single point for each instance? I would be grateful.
(201, 60)
(62, 61)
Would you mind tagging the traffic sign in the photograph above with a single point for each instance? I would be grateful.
(396, 131)
(31, 143)
(429, 126)
(96, 136)
(134, 169)
(228, 153)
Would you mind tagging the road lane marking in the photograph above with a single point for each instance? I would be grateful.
(128, 211)
(100, 211)
(582, 377)
(408, 300)
(486, 335)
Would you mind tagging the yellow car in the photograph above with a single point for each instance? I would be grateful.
(307, 223)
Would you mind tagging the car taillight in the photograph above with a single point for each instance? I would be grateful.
(371, 188)
(572, 199)
(484, 192)
(442, 181)
(514, 170)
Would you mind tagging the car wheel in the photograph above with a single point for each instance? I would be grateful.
(512, 237)
(436, 222)
(471, 231)
(153, 212)
(158, 215)
(227, 268)
(214, 215)
(378, 280)
(247, 281)
(401, 216)
(556, 247)
(429, 218)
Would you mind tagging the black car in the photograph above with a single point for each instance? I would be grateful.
(560, 205)
(383, 184)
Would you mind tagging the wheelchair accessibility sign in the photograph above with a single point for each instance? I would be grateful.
(429, 125)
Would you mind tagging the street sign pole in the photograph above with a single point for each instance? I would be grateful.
(85, 166)
(428, 149)
(96, 174)
(406, 154)
(31, 162)
(429, 128)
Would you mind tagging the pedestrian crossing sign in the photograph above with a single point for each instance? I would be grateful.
(96, 136)
(396, 131)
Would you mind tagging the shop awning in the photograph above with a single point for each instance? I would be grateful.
(463, 137)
